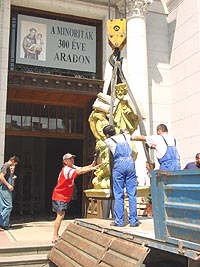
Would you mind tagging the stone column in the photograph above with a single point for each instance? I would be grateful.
(137, 67)
(4, 52)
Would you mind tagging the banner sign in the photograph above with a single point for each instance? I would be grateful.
(56, 44)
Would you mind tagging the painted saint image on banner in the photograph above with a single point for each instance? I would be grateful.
(33, 41)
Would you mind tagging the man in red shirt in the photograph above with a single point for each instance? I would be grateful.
(62, 193)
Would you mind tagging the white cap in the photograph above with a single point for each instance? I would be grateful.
(68, 156)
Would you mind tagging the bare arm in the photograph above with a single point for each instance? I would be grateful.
(3, 180)
(86, 169)
(138, 138)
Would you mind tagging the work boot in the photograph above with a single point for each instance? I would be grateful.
(6, 227)
(135, 224)
(117, 225)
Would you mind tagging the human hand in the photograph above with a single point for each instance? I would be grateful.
(10, 187)
(93, 168)
(97, 166)
(133, 138)
(14, 177)
(94, 163)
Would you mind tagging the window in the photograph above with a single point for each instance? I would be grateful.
(49, 118)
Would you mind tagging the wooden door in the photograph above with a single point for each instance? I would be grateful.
(29, 190)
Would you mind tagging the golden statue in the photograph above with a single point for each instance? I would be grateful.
(125, 119)
(124, 116)
(98, 120)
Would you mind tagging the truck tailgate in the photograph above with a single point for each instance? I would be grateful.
(176, 207)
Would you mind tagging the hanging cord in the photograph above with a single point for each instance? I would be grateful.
(115, 57)
(109, 9)
(140, 120)
(117, 71)
(125, 8)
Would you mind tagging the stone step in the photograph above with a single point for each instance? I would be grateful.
(37, 260)
(25, 250)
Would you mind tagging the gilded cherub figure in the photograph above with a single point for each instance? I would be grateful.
(124, 116)
(125, 119)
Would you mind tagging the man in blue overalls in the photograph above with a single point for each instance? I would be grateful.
(123, 173)
(165, 147)
(6, 188)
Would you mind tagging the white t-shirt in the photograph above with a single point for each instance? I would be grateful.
(159, 143)
(69, 171)
(119, 138)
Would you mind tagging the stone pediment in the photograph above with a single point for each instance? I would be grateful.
(167, 5)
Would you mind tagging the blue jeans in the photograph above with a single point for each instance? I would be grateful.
(5, 205)
(124, 174)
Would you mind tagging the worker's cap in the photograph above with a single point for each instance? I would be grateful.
(68, 156)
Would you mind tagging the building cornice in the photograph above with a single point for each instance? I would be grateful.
(79, 8)
(171, 4)
(134, 8)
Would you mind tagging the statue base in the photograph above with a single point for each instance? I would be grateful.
(142, 191)
(97, 196)
(97, 193)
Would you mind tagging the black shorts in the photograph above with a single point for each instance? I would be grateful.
(59, 205)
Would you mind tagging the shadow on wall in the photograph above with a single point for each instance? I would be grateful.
(171, 33)
(160, 37)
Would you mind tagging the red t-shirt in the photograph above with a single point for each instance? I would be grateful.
(65, 185)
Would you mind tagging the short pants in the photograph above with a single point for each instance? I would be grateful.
(59, 205)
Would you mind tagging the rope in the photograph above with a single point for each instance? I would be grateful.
(118, 66)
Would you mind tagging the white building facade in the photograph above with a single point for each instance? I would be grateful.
(162, 54)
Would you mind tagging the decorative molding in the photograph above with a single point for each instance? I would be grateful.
(134, 8)
(87, 9)
(172, 4)
(50, 82)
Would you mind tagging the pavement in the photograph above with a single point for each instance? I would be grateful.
(39, 232)
(32, 233)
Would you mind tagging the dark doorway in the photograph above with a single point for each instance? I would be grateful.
(40, 164)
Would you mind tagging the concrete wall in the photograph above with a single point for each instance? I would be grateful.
(4, 50)
(158, 66)
(185, 77)
(158, 71)
(174, 74)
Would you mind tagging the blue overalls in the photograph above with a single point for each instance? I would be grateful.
(5, 203)
(124, 174)
(171, 160)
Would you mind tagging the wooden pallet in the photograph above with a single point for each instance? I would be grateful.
(80, 246)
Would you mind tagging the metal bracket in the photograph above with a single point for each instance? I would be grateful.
(105, 250)
(180, 247)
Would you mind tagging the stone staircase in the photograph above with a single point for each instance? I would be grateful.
(22, 256)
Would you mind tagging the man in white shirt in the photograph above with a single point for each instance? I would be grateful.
(165, 147)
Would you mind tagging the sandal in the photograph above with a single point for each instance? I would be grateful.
(56, 240)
